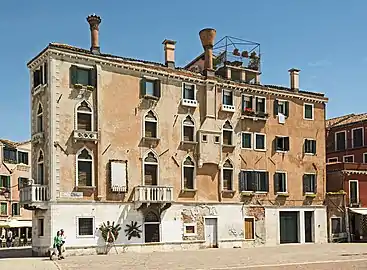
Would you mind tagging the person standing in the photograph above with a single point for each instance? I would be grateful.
(63, 238)
(58, 244)
(9, 239)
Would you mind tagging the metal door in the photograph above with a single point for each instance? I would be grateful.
(211, 232)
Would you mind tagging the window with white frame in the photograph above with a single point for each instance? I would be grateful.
(281, 144)
(348, 159)
(188, 127)
(364, 157)
(85, 227)
(353, 192)
(15, 209)
(260, 103)
(280, 182)
(249, 232)
(333, 159)
(357, 137)
(247, 103)
(150, 170)
(340, 140)
(227, 97)
(85, 168)
(309, 183)
(308, 111)
(39, 119)
(84, 117)
(260, 142)
(40, 75)
(188, 173)
(310, 146)
(227, 133)
(190, 229)
(23, 157)
(257, 181)
(281, 106)
(336, 225)
(40, 168)
(189, 91)
(246, 140)
(227, 175)
(150, 125)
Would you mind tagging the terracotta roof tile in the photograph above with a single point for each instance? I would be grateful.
(12, 143)
(346, 120)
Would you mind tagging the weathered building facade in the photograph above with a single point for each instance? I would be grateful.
(15, 171)
(180, 157)
(347, 174)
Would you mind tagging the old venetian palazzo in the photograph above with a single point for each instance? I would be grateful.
(200, 156)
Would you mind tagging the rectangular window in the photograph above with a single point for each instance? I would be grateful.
(37, 78)
(84, 121)
(260, 142)
(340, 140)
(336, 225)
(189, 229)
(308, 111)
(22, 182)
(4, 181)
(282, 144)
(23, 157)
(84, 173)
(40, 227)
(216, 139)
(249, 228)
(246, 140)
(247, 102)
(260, 104)
(357, 137)
(188, 133)
(85, 226)
(83, 76)
(10, 155)
(348, 159)
(227, 97)
(334, 159)
(227, 179)
(281, 106)
(310, 146)
(151, 88)
(227, 137)
(280, 182)
(150, 129)
(353, 192)
(3, 209)
(150, 175)
(189, 91)
(309, 183)
(188, 177)
(15, 209)
(257, 181)
(364, 157)
(204, 138)
(40, 174)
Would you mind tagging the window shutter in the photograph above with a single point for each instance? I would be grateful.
(267, 181)
(275, 144)
(286, 143)
(45, 81)
(157, 88)
(257, 104)
(253, 180)
(243, 103)
(73, 75)
(142, 87)
(241, 181)
(304, 183)
(276, 182)
(42, 78)
(8, 181)
(315, 184)
(275, 107)
(93, 77)
(313, 146)
(286, 110)
(34, 78)
(305, 146)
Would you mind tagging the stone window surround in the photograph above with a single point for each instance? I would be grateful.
(183, 169)
(90, 152)
(286, 182)
(353, 129)
(346, 156)
(77, 227)
(229, 130)
(304, 111)
(222, 175)
(84, 112)
(336, 141)
(39, 163)
(254, 143)
(157, 123)
(148, 163)
(192, 224)
(183, 90)
(183, 127)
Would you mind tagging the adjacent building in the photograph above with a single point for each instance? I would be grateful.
(200, 156)
(347, 175)
(15, 171)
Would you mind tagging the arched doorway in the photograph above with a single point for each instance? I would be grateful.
(151, 227)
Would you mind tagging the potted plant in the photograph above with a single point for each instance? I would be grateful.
(110, 231)
(78, 86)
(90, 87)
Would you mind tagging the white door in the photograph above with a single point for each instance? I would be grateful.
(211, 232)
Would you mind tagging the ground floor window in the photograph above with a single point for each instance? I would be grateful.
(249, 230)
(190, 229)
(40, 227)
(151, 227)
(85, 226)
(336, 225)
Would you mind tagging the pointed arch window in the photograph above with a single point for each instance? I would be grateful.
(150, 170)
(84, 117)
(39, 118)
(150, 125)
(40, 168)
(85, 168)
(188, 127)
(188, 173)
(227, 133)
(227, 175)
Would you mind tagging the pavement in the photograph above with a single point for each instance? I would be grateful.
(288, 257)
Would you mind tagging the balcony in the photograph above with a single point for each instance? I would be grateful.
(153, 194)
(227, 108)
(34, 196)
(251, 114)
(84, 135)
(189, 102)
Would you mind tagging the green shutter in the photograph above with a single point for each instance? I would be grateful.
(142, 87)
(93, 77)
(266, 181)
(276, 107)
(8, 181)
(314, 146)
(276, 182)
(73, 75)
(286, 144)
(157, 88)
(304, 183)
(286, 105)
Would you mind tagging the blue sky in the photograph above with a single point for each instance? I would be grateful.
(326, 39)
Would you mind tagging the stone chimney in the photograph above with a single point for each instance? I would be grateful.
(294, 76)
(207, 37)
(169, 52)
(94, 22)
